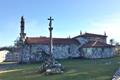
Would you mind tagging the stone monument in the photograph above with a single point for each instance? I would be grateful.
(50, 65)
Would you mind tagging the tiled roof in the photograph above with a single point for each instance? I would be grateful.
(45, 40)
(96, 44)
(90, 35)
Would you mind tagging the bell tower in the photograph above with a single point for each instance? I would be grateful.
(22, 28)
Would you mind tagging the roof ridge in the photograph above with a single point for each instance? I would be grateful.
(90, 34)
(39, 40)
(48, 37)
(94, 43)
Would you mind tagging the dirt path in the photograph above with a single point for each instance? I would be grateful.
(5, 66)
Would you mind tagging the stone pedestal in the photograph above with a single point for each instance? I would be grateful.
(50, 65)
(49, 68)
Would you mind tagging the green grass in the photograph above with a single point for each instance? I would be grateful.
(75, 69)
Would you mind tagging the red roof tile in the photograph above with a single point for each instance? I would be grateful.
(96, 44)
(45, 40)
(90, 35)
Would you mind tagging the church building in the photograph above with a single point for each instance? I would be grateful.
(87, 45)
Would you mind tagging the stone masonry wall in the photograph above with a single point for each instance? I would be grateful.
(98, 52)
(32, 53)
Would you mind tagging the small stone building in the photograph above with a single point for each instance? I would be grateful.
(95, 46)
(87, 45)
(96, 49)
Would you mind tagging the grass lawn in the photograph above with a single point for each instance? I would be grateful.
(75, 69)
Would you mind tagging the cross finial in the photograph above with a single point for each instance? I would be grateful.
(50, 23)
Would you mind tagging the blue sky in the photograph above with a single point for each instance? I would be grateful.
(70, 16)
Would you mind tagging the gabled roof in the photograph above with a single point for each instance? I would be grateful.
(45, 40)
(96, 44)
(90, 35)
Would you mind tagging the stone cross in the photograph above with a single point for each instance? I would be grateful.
(51, 66)
(50, 23)
(50, 29)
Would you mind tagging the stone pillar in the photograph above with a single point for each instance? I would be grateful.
(51, 40)
(22, 39)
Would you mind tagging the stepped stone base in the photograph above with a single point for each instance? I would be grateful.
(51, 68)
